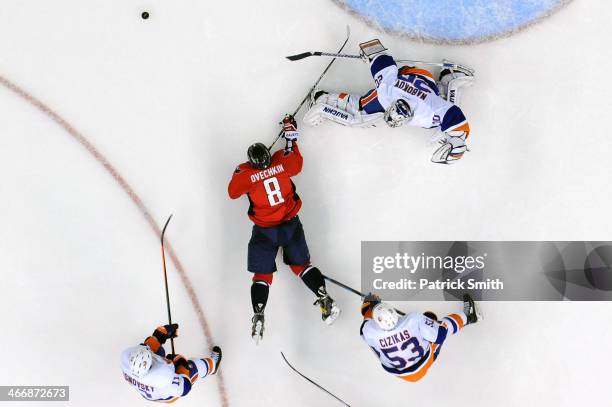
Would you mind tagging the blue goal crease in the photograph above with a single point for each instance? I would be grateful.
(453, 20)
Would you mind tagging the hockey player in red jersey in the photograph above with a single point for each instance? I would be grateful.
(273, 207)
(160, 377)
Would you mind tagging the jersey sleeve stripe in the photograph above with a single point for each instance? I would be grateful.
(381, 62)
(453, 324)
(457, 319)
(454, 117)
(442, 332)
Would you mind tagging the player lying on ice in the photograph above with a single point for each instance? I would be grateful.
(407, 345)
(405, 95)
(161, 377)
(273, 207)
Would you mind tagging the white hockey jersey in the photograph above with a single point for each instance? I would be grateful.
(418, 87)
(161, 383)
(408, 347)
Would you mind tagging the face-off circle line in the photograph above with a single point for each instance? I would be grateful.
(127, 188)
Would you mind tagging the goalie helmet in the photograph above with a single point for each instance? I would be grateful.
(385, 316)
(398, 113)
(141, 361)
(259, 156)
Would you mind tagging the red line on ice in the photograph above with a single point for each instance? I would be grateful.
(137, 201)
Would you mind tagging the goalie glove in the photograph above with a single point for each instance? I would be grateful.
(452, 149)
(290, 131)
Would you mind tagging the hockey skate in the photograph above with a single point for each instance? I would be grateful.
(329, 310)
(258, 327)
(216, 356)
(471, 310)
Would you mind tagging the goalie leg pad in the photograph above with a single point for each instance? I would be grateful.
(320, 112)
(451, 83)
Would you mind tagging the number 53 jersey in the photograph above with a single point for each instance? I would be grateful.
(409, 345)
(272, 195)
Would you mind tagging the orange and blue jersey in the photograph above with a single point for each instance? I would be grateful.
(165, 382)
(411, 348)
(418, 87)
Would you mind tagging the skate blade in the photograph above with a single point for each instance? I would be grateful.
(478, 311)
(256, 338)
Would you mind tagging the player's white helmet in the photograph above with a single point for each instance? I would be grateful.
(398, 113)
(385, 316)
(141, 360)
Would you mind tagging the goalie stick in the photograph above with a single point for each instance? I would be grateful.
(311, 381)
(448, 65)
(348, 34)
(166, 279)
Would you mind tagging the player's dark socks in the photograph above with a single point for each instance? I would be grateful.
(259, 295)
(313, 278)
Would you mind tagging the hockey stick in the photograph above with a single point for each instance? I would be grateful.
(303, 55)
(348, 34)
(166, 279)
(346, 287)
(311, 381)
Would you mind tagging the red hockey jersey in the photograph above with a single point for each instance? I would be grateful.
(272, 195)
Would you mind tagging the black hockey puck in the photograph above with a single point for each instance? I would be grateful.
(144, 15)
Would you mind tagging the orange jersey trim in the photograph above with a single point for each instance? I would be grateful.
(457, 319)
(407, 70)
(369, 98)
(419, 374)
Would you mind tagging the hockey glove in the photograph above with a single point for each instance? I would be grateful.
(369, 302)
(452, 149)
(181, 364)
(290, 131)
(163, 333)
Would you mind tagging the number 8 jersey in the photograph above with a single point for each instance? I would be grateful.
(407, 349)
(272, 195)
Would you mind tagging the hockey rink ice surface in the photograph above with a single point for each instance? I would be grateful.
(109, 123)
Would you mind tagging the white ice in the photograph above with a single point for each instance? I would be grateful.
(174, 101)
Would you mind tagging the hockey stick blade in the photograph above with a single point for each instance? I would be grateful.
(164, 229)
(311, 381)
(303, 55)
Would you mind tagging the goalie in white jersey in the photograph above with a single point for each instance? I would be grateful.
(406, 95)
(161, 377)
(407, 345)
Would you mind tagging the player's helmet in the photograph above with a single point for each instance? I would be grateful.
(385, 316)
(398, 113)
(141, 360)
(259, 156)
